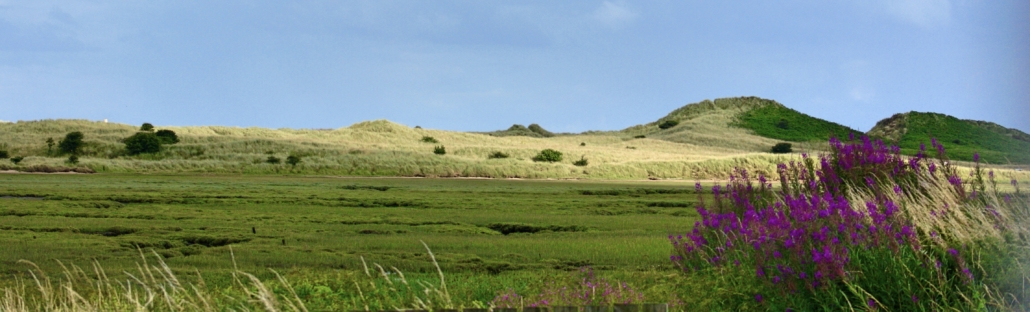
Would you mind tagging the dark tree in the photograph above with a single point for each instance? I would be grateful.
(782, 148)
(71, 142)
(293, 160)
(668, 124)
(142, 142)
(147, 127)
(167, 136)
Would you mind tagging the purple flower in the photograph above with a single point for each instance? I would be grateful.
(915, 299)
(758, 298)
(897, 189)
(697, 187)
(953, 252)
(871, 303)
(976, 157)
(1014, 182)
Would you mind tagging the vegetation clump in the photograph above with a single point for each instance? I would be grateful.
(548, 155)
(293, 160)
(73, 159)
(167, 136)
(439, 150)
(498, 155)
(17, 160)
(4, 154)
(581, 162)
(71, 142)
(429, 139)
(147, 127)
(668, 124)
(273, 160)
(142, 143)
(782, 148)
(641, 136)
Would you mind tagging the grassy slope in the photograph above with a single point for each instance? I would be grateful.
(961, 138)
(796, 127)
(381, 148)
(708, 123)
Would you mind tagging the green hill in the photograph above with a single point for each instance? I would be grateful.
(741, 123)
(996, 144)
(534, 130)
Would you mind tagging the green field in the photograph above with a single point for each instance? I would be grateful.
(618, 228)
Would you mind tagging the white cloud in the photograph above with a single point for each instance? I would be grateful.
(614, 15)
(923, 13)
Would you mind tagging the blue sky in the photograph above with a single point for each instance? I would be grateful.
(483, 65)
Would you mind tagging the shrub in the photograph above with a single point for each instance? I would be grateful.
(439, 150)
(293, 160)
(71, 142)
(4, 155)
(142, 143)
(17, 160)
(429, 139)
(783, 124)
(639, 136)
(548, 155)
(49, 145)
(147, 127)
(73, 159)
(167, 136)
(668, 124)
(583, 144)
(782, 148)
(273, 160)
(581, 162)
(498, 155)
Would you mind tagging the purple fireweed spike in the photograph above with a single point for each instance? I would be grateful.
(976, 157)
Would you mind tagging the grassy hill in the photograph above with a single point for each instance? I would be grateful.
(742, 123)
(378, 148)
(534, 130)
(961, 138)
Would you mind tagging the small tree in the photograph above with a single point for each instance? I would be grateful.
(167, 136)
(782, 148)
(439, 150)
(668, 124)
(581, 162)
(17, 160)
(293, 160)
(71, 142)
(548, 155)
(142, 142)
(73, 159)
(147, 127)
(49, 145)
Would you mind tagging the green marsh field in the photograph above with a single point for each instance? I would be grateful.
(487, 235)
